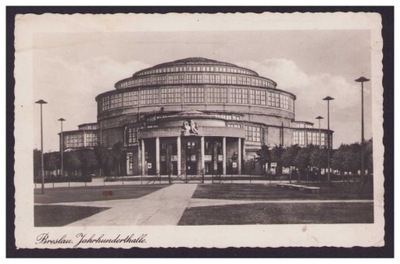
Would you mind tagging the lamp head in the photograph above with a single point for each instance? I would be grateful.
(362, 79)
(41, 102)
(319, 117)
(61, 119)
(328, 98)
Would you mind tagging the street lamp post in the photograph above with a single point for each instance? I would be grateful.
(319, 129)
(319, 132)
(41, 102)
(362, 80)
(62, 146)
(328, 98)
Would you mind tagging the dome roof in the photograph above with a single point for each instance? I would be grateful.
(195, 71)
(193, 61)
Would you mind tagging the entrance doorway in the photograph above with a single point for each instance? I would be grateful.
(192, 156)
(213, 155)
(168, 159)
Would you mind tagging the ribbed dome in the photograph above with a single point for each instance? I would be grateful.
(193, 61)
(195, 71)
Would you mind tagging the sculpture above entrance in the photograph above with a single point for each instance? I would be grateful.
(189, 128)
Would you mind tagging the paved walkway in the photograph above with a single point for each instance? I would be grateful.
(163, 207)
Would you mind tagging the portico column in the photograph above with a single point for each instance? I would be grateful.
(127, 164)
(202, 153)
(139, 157)
(178, 148)
(239, 155)
(157, 155)
(143, 158)
(244, 151)
(224, 155)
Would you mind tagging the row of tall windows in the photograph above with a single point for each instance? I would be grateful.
(73, 141)
(132, 135)
(238, 95)
(116, 100)
(105, 103)
(130, 98)
(313, 138)
(299, 138)
(273, 99)
(149, 97)
(253, 133)
(303, 138)
(216, 95)
(119, 100)
(257, 97)
(170, 95)
(173, 95)
(198, 78)
(91, 139)
(193, 95)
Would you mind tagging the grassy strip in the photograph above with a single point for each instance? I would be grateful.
(303, 213)
(60, 215)
(96, 193)
(270, 192)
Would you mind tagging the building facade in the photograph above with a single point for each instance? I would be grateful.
(193, 116)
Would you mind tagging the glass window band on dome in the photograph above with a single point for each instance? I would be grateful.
(196, 95)
(196, 81)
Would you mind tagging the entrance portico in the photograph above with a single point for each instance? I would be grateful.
(191, 155)
(199, 145)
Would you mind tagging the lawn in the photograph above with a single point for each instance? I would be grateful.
(271, 192)
(60, 215)
(285, 213)
(97, 193)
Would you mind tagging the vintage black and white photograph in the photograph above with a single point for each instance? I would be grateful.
(215, 129)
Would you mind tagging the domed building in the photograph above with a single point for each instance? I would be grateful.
(192, 116)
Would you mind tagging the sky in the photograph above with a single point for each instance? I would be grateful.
(69, 69)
